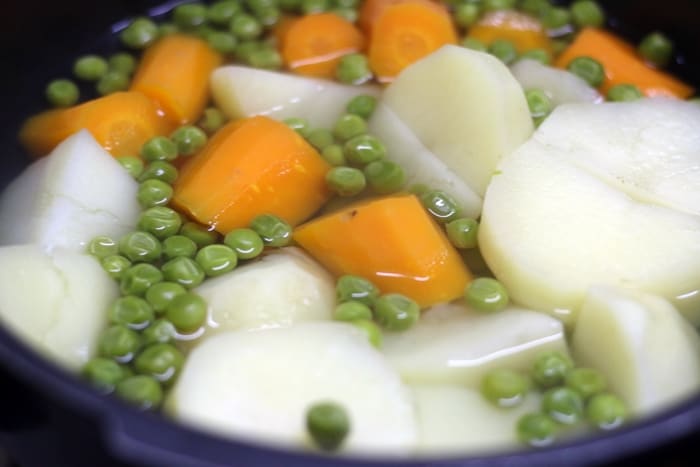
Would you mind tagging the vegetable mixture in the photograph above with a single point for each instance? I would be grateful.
(374, 226)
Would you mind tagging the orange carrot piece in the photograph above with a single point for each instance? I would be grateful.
(314, 44)
(622, 64)
(120, 122)
(281, 29)
(523, 30)
(174, 72)
(250, 167)
(405, 33)
(394, 243)
(373, 9)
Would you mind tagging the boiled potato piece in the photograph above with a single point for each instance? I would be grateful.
(648, 352)
(259, 384)
(553, 224)
(75, 193)
(465, 107)
(242, 92)
(454, 345)
(421, 166)
(279, 290)
(560, 86)
(56, 301)
(457, 420)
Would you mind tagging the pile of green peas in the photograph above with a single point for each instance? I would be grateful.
(156, 267)
(570, 396)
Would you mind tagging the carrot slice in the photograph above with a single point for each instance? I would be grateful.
(120, 122)
(373, 9)
(174, 72)
(250, 167)
(523, 30)
(622, 64)
(405, 33)
(281, 29)
(394, 243)
(314, 44)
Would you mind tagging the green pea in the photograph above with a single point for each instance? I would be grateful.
(300, 125)
(356, 288)
(160, 294)
(167, 29)
(588, 69)
(115, 265)
(349, 126)
(466, 14)
(362, 105)
(140, 390)
(463, 232)
(563, 405)
(199, 234)
(346, 181)
(190, 15)
(556, 18)
(624, 93)
(140, 246)
(657, 49)
(328, 424)
(62, 93)
(160, 221)
(245, 242)
(586, 381)
(161, 361)
(348, 14)
(138, 278)
(187, 312)
(154, 192)
(184, 271)
(133, 165)
(363, 149)
(216, 260)
(212, 119)
(493, 5)
(314, 6)
(160, 170)
(539, 103)
(396, 312)
(550, 369)
(90, 67)
(385, 176)
(133, 312)
(179, 245)
(347, 3)
(536, 430)
(370, 328)
(111, 82)
(504, 388)
(104, 373)
(245, 49)
(606, 411)
(161, 331)
(189, 139)
(486, 294)
(539, 55)
(290, 5)
(352, 310)
(256, 5)
(122, 62)
(535, 7)
(272, 230)
(141, 33)
(353, 68)
(119, 342)
(320, 138)
(474, 44)
(504, 50)
(334, 155)
(245, 27)
(440, 205)
(221, 13)
(159, 148)
(102, 246)
(268, 16)
(587, 13)
(266, 58)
